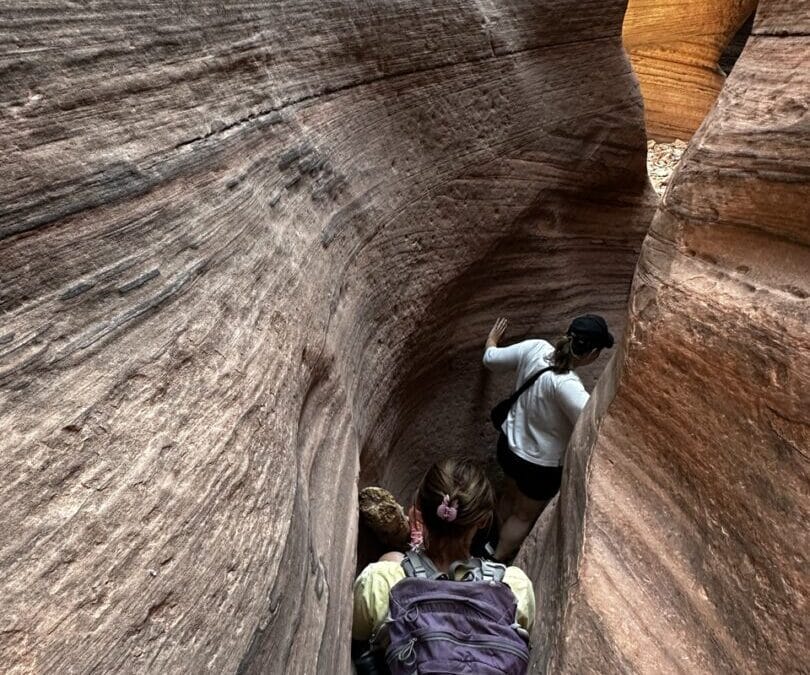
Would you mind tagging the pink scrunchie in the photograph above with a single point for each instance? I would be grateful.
(446, 510)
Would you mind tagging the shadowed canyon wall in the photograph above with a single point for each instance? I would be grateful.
(240, 246)
(675, 48)
(679, 543)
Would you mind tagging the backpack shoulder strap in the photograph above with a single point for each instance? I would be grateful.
(412, 564)
(492, 571)
(419, 566)
(476, 569)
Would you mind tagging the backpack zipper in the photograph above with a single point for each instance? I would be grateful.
(476, 604)
(405, 652)
(491, 644)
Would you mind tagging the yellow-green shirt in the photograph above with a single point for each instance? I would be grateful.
(372, 589)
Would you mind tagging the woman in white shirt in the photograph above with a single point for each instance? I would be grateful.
(531, 446)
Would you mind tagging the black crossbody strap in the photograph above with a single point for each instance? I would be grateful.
(523, 387)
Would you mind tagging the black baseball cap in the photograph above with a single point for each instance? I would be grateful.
(590, 332)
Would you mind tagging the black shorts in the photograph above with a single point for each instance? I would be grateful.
(536, 482)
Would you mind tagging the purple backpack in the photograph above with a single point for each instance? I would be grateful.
(438, 625)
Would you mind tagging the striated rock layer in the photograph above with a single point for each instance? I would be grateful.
(680, 541)
(241, 246)
(675, 48)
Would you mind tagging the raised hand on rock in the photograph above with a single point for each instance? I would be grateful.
(498, 329)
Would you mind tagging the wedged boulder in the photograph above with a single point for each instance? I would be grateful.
(675, 48)
(239, 245)
(680, 540)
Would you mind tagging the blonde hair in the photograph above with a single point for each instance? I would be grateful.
(466, 485)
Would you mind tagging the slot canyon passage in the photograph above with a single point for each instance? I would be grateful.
(249, 254)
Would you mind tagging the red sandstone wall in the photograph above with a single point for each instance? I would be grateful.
(232, 238)
(680, 540)
(675, 48)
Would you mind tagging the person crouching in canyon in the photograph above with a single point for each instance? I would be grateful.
(436, 608)
(539, 419)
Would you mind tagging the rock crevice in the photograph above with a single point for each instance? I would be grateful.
(234, 283)
(224, 264)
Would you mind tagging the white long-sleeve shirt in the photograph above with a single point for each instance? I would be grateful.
(541, 421)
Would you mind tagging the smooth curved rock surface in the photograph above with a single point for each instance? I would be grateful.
(675, 48)
(680, 541)
(239, 246)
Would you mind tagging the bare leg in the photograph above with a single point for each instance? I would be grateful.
(517, 526)
(506, 501)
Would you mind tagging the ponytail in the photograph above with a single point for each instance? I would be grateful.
(454, 495)
(563, 359)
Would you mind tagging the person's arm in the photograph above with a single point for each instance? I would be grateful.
(521, 586)
(372, 590)
(501, 358)
(572, 397)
